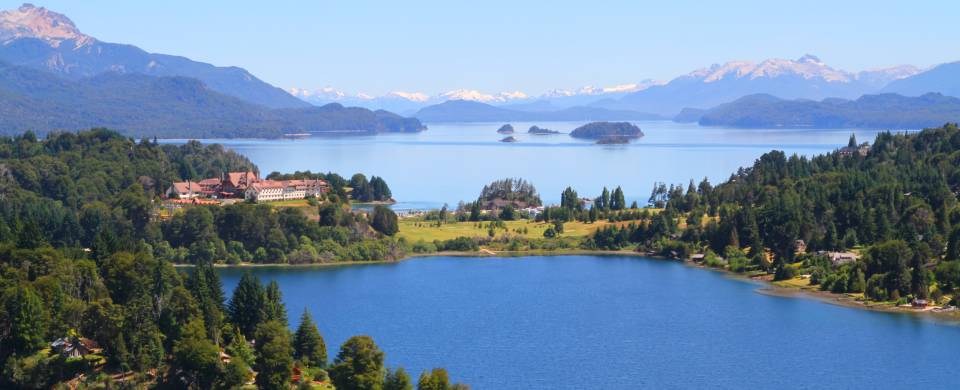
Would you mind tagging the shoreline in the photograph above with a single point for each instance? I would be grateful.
(765, 287)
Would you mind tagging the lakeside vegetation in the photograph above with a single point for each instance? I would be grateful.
(882, 226)
(91, 298)
(85, 254)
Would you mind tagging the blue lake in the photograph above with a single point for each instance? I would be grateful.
(588, 322)
(451, 162)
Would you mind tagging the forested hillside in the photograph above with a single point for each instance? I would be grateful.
(896, 206)
(86, 269)
(166, 107)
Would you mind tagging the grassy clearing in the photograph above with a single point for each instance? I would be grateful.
(312, 212)
(415, 229)
(795, 282)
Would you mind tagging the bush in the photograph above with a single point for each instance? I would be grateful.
(423, 247)
(459, 244)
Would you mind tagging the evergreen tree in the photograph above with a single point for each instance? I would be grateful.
(617, 201)
(358, 366)
(274, 356)
(24, 319)
(384, 220)
(246, 307)
(569, 199)
(475, 211)
(197, 359)
(605, 199)
(436, 379)
(273, 307)
(308, 345)
(397, 380)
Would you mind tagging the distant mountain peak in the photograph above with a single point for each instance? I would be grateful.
(30, 21)
(477, 96)
(809, 58)
(808, 67)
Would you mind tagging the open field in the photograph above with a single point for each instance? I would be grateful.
(415, 229)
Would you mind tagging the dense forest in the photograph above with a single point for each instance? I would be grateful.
(88, 286)
(99, 191)
(896, 206)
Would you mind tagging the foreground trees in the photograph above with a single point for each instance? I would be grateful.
(86, 260)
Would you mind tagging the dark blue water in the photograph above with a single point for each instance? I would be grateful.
(452, 162)
(587, 322)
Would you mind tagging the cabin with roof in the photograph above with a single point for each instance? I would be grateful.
(860, 150)
(184, 190)
(75, 347)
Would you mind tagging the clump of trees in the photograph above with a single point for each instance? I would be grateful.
(511, 190)
(896, 205)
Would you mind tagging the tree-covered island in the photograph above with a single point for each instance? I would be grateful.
(598, 130)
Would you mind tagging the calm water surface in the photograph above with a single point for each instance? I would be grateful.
(452, 162)
(587, 322)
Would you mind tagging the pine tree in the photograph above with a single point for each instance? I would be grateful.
(25, 320)
(273, 307)
(246, 305)
(274, 356)
(617, 201)
(397, 380)
(308, 345)
(605, 199)
(358, 366)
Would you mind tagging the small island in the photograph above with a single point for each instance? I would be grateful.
(598, 130)
(541, 131)
(613, 140)
(505, 129)
(509, 139)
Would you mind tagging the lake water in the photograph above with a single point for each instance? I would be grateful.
(452, 162)
(588, 322)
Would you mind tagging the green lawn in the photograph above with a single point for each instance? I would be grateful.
(416, 229)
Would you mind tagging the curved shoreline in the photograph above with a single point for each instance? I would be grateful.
(766, 287)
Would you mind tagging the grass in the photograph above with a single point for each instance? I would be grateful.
(795, 282)
(312, 212)
(416, 229)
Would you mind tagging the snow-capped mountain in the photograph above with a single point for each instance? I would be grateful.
(406, 101)
(29, 21)
(38, 38)
(807, 77)
(477, 96)
(804, 78)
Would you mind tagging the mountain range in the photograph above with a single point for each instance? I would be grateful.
(410, 102)
(54, 77)
(473, 111)
(166, 107)
(807, 77)
(888, 111)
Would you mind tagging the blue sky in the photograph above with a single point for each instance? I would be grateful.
(493, 45)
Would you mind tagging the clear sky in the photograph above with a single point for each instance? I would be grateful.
(494, 45)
